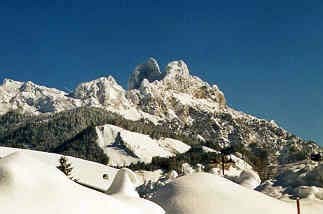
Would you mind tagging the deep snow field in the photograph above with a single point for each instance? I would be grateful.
(30, 183)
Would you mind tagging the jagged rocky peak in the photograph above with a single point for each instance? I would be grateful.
(175, 93)
(28, 86)
(177, 68)
(7, 81)
(11, 84)
(32, 88)
(102, 91)
(95, 87)
(148, 70)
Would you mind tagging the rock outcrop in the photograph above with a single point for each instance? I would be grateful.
(148, 70)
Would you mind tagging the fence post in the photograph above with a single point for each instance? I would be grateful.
(298, 206)
(223, 165)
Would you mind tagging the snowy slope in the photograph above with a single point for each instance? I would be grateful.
(87, 172)
(29, 185)
(124, 147)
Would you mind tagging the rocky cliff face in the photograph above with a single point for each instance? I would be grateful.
(176, 93)
(148, 70)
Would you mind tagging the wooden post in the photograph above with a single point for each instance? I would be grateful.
(298, 206)
(223, 165)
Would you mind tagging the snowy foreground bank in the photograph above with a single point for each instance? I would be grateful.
(30, 183)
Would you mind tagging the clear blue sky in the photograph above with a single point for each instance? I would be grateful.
(267, 56)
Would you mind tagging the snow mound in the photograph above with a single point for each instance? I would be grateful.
(123, 188)
(208, 194)
(249, 179)
(124, 183)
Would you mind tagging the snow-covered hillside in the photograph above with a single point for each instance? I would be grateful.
(208, 194)
(124, 147)
(87, 172)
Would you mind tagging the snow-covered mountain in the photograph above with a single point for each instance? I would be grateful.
(170, 104)
(33, 98)
(166, 95)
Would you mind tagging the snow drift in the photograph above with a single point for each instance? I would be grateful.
(86, 172)
(123, 188)
(208, 194)
(31, 186)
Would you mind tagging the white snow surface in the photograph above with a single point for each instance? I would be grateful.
(87, 172)
(208, 194)
(124, 183)
(124, 147)
(29, 185)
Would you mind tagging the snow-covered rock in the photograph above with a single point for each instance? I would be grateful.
(172, 175)
(187, 169)
(249, 179)
(199, 167)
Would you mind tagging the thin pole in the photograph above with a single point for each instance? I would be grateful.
(223, 165)
(298, 206)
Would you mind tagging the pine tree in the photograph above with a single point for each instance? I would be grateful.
(65, 166)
